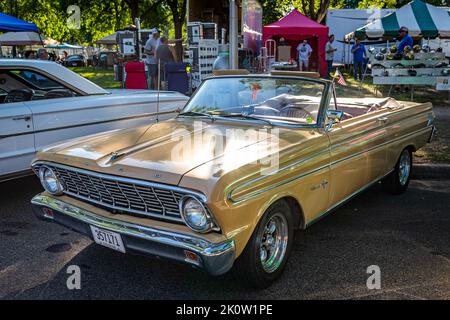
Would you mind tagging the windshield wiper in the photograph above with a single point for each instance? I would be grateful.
(195, 113)
(245, 116)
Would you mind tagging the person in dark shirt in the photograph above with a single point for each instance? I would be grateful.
(406, 40)
(30, 54)
(283, 42)
(359, 54)
(164, 55)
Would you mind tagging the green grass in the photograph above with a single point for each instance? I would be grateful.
(102, 77)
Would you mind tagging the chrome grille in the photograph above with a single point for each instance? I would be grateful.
(120, 194)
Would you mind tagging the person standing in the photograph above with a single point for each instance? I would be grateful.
(42, 54)
(150, 51)
(304, 52)
(283, 42)
(405, 40)
(30, 54)
(164, 55)
(359, 54)
(329, 54)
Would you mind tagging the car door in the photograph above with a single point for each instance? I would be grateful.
(16, 138)
(357, 154)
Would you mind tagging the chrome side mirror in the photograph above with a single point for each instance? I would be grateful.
(333, 116)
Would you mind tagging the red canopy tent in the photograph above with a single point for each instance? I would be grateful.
(295, 27)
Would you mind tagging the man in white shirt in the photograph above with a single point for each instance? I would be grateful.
(304, 52)
(150, 51)
(329, 54)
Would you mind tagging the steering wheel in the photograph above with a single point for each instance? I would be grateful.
(19, 95)
(306, 114)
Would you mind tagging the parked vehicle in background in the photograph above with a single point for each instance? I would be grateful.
(270, 154)
(42, 102)
(75, 60)
(107, 59)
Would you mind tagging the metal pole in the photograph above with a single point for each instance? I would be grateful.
(159, 89)
(233, 35)
(14, 50)
(137, 23)
(40, 38)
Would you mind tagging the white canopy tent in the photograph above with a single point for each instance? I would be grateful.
(24, 39)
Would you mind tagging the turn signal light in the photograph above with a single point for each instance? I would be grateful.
(191, 257)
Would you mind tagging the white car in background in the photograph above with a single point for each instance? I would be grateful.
(42, 103)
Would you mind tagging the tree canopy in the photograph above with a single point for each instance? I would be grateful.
(99, 18)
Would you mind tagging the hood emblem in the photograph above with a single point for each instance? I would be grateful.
(115, 156)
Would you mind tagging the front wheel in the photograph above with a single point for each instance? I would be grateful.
(265, 256)
(397, 182)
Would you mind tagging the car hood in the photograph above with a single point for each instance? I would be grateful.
(166, 151)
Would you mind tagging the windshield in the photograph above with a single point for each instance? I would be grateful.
(278, 99)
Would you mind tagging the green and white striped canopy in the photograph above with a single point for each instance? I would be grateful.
(421, 19)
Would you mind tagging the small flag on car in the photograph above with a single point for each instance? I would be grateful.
(339, 78)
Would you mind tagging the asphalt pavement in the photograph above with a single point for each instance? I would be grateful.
(407, 237)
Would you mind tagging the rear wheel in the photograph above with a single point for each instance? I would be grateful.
(265, 256)
(397, 182)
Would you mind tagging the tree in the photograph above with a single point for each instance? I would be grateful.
(178, 9)
(316, 10)
(367, 4)
(273, 10)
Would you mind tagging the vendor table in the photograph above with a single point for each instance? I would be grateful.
(441, 83)
(426, 69)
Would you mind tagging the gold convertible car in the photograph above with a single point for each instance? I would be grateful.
(249, 160)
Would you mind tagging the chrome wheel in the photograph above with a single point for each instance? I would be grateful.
(404, 167)
(274, 242)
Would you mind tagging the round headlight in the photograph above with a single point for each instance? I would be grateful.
(50, 181)
(195, 214)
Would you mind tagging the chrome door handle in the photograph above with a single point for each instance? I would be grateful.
(383, 119)
(26, 118)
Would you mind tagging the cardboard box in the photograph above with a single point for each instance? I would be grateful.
(284, 53)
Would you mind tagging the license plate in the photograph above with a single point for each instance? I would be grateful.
(74, 64)
(108, 239)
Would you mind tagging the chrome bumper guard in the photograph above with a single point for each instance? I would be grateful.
(215, 258)
(432, 135)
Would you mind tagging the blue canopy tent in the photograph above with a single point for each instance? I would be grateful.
(8, 23)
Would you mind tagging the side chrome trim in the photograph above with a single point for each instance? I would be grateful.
(217, 258)
(255, 193)
(230, 197)
(346, 199)
(146, 115)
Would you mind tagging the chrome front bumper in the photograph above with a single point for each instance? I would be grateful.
(215, 258)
